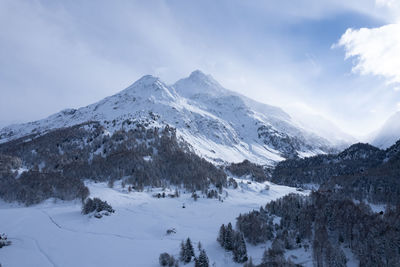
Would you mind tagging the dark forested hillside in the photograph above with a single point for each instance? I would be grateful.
(327, 223)
(362, 172)
(318, 169)
(337, 216)
(141, 156)
(379, 185)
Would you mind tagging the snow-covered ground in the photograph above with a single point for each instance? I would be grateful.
(55, 233)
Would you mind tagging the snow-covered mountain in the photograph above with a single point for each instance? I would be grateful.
(219, 124)
(389, 133)
(324, 127)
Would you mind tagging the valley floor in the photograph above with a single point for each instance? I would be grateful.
(55, 233)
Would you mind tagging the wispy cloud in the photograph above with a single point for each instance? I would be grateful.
(377, 50)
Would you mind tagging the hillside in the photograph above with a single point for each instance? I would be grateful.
(362, 172)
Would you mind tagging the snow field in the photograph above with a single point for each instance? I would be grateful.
(55, 233)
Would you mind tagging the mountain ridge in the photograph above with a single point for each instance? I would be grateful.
(221, 125)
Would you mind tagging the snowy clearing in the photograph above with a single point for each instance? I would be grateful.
(55, 233)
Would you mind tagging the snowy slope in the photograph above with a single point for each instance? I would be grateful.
(324, 128)
(389, 133)
(219, 124)
(57, 234)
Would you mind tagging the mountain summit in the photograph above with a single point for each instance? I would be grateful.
(219, 124)
(197, 84)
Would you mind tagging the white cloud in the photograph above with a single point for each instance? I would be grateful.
(389, 3)
(377, 50)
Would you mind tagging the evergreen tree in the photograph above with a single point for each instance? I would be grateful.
(188, 251)
(221, 236)
(202, 261)
(228, 240)
(239, 248)
(182, 252)
(274, 255)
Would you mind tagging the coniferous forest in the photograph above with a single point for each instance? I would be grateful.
(60, 160)
(338, 215)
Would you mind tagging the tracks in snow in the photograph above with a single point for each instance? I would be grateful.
(41, 250)
(86, 232)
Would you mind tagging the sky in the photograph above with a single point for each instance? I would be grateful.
(338, 59)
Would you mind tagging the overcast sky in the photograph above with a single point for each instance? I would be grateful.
(336, 58)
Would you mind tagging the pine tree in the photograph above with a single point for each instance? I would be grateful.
(182, 252)
(239, 248)
(221, 236)
(275, 254)
(202, 261)
(228, 240)
(188, 251)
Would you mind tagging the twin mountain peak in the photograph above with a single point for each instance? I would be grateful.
(219, 124)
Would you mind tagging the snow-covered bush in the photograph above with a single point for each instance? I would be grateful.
(97, 205)
(4, 241)
(167, 260)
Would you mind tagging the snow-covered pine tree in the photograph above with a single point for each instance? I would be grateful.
(189, 251)
(221, 236)
(228, 240)
(202, 261)
(239, 248)
(182, 252)
(274, 255)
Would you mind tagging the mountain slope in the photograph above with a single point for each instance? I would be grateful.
(389, 133)
(219, 124)
(324, 128)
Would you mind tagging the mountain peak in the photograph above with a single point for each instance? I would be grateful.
(149, 86)
(198, 76)
(146, 80)
(199, 83)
